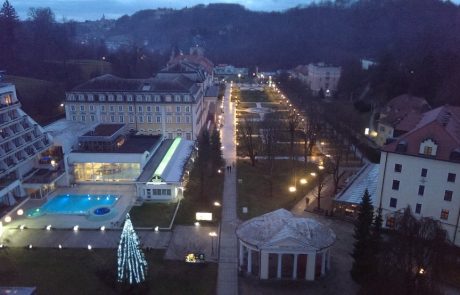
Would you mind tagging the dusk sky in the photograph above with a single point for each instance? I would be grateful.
(93, 9)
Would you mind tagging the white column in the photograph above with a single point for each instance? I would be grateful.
(241, 254)
(311, 261)
(323, 263)
(280, 261)
(249, 268)
(328, 259)
(264, 265)
(294, 268)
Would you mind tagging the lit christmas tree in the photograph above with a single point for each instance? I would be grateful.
(132, 266)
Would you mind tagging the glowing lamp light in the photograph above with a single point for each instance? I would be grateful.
(328, 156)
(366, 131)
(219, 171)
(90, 247)
(60, 246)
(421, 271)
(48, 227)
(292, 189)
(30, 246)
(1, 246)
(197, 223)
(22, 227)
(217, 204)
(20, 212)
(321, 167)
(103, 228)
(157, 228)
(303, 181)
(313, 174)
(75, 228)
(8, 219)
(323, 143)
(213, 234)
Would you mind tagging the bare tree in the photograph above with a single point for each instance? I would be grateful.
(270, 137)
(335, 161)
(249, 133)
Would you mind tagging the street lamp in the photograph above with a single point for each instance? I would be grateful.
(212, 234)
(217, 204)
(303, 181)
(292, 189)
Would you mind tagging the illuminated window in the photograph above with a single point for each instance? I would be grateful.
(444, 214)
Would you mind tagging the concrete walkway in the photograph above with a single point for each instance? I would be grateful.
(227, 278)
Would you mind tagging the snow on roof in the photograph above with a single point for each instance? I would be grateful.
(175, 168)
(366, 178)
(281, 228)
(65, 132)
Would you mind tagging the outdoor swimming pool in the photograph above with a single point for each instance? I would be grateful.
(76, 205)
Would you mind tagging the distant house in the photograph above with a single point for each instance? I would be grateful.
(224, 70)
(400, 115)
(319, 77)
(420, 168)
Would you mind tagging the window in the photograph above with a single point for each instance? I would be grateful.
(157, 109)
(129, 98)
(158, 119)
(448, 196)
(130, 108)
(177, 98)
(72, 108)
(93, 118)
(424, 172)
(119, 97)
(170, 135)
(393, 202)
(427, 150)
(112, 119)
(187, 109)
(418, 208)
(74, 118)
(395, 185)
(188, 136)
(179, 134)
(451, 177)
(178, 119)
(168, 109)
(398, 167)
(187, 98)
(101, 97)
(149, 119)
(148, 98)
(177, 109)
(131, 119)
(102, 108)
(187, 119)
(421, 190)
(149, 108)
(121, 119)
(112, 108)
(82, 108)
(157, 98)
(168, 98)
(138, 97)
(91, 108)
(444, 214)
(83, 118)
(111, 97)
(390, 222)
(168, 119)
(140, 109)
(141, 119)
(81, 97)
(120, 108)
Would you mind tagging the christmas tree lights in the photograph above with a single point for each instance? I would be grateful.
(132, 266)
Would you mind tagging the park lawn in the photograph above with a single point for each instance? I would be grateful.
(79, 271)
(152, 214)
(195, 202)
(246, 105)
(253, 96)
(254, 191)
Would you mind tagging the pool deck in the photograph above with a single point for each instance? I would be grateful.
(126, 194)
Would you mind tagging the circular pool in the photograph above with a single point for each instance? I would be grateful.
(101, 211)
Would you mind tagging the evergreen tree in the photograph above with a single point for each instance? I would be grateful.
(8, 25)
(132, 266)
(363, 263)
(216, 151)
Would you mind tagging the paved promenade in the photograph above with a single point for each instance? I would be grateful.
(227, 279)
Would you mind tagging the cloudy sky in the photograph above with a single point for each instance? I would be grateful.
(93, 9)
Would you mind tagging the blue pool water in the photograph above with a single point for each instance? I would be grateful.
(74, 204)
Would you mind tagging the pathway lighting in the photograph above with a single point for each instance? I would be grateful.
(156, 228)
(313, 174)
(30, 246)
(421, 271)
(75, 228)
(217, 204)
(292, 189)
(59, 246)
(8, 219)
(90, 247)
(197, 223)
(22, 227)
(20, 212)
(48, 227)
(321, 167)
(303, 181)
(103, 228)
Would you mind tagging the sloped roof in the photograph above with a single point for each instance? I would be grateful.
(281, 229)
(193, 59)
(442, 125)
(366, 178)
(400, 107)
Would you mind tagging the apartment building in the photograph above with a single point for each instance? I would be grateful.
(421, 169)
(171, 104)
(323, 77)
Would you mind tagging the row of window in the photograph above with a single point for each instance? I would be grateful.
(158, 192)
(421, 190)
(140, 119)
(140, 109)
(418, 209)
(129, 98)
(424, 172)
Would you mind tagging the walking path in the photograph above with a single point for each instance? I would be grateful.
(227, 278)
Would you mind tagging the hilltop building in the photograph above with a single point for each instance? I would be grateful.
(420, 168)
(319, 77)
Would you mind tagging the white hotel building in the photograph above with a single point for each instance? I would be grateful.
(421, 169)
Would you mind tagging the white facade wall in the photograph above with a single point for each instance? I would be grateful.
(435, 184)
(142, 159)
(323, 77)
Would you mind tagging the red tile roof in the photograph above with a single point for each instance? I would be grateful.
(442, 125)
(194, 59)
(401, 107)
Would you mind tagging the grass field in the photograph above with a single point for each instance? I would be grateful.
(152, 214)
(254, 191)
(79, 271)
(253, 96)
